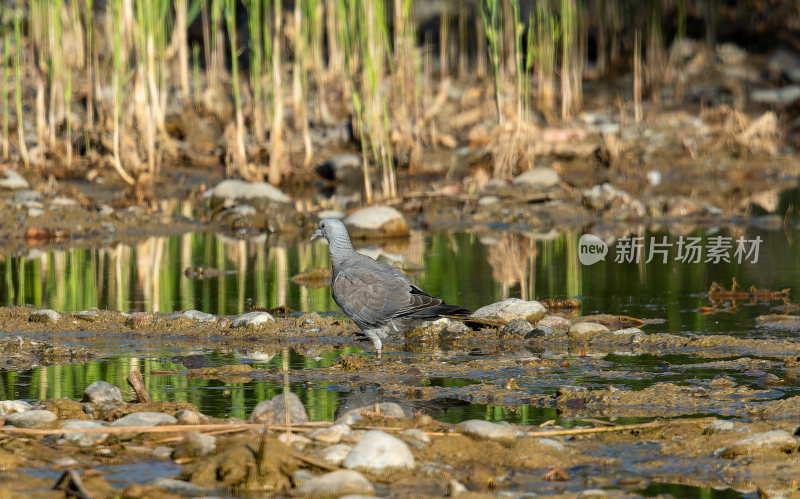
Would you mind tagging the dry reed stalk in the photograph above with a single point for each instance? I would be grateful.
(276, 133)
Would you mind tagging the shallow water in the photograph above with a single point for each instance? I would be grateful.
(462, 268)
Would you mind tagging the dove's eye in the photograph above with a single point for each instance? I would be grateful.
(321, 226)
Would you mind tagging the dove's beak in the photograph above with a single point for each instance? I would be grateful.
(317, 234)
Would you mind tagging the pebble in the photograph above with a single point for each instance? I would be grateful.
(488, 200)
(585, 330)
(188, 417)
(556, 322)
(275, 410)
(512, 308)
(342, 167)
(416, 435)
(195, 444)
(378, 451)
(66, 462)
(555, 444)
(90, 315)
(13, 181)
(34, 418)
(300, 477)
(376, 221)
(336, 484)
(775, 440)
(486, 429)
(516, 329)
(83, 439)
(195, 315)
(145, 419)
(388, 409)
(295, 440)
(181, 488)
(45, 315)
(541, 178)
(330, 435)
(782, 96)
(718, 426)
(28, 196)
(455, 488)
(335, 454)
(162, 453)
(102, 392)
(11, 406)
(252, 319)
(239, 189)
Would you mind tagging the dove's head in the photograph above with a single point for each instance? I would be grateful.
(333, 230)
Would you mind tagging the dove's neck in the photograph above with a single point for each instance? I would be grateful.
(341, 249)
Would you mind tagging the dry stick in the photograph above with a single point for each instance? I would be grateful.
(153, 429)
(136, 382)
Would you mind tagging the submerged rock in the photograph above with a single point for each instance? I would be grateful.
(336, 484)
(378, 451)
(486, 429)
(102, 392)
(512, 308)
(376, 221)
(35, 418)
(274, 410)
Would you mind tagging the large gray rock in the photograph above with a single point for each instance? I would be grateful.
(376, 221)
(336, 484)
(12, 180)
(83, 439)
(275, 410)
(378, 451)
(540, 178)
(486, 429)
(512, 308)
(31, 419)
(145, 419)
(102, 392)
(775, 440)
(239, 189)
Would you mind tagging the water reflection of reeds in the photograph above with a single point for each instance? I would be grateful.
(466, 269)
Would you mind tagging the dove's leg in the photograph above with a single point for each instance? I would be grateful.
(375, 335)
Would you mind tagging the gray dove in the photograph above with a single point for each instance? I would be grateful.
(378, 297)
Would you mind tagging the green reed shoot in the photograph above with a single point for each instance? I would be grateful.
(491, 26)
(67, 117)
(195, 72)
(6, 57)
(230, 18)
(23, 149)
(276, 133)
(254, 25)
(548, 33)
